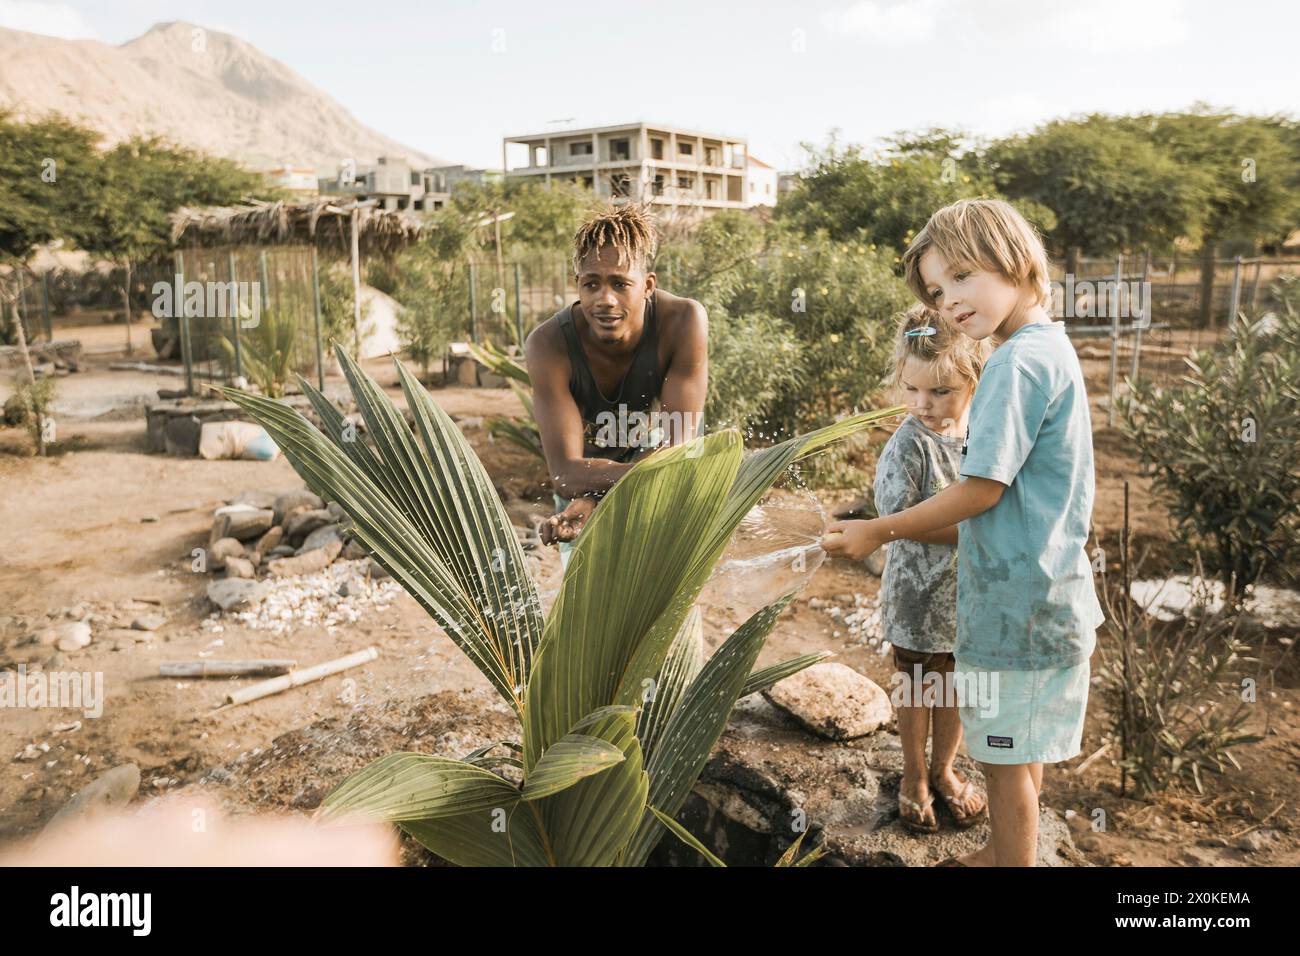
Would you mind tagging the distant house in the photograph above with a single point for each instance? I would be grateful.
(397, 185)
(785, 183)
(762, 183)
(662, 165)
(298, 180)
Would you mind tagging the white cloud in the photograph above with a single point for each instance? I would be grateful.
(50, 19)
(884, 23)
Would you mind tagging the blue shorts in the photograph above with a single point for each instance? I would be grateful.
(1020, 717)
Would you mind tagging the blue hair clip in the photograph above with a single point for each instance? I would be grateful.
(921, 330)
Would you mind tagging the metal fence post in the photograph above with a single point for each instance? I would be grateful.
(320, 348)
(45, 305)
(1235, 301)
(235, 318)
(266, 284)
(1114, 337)
(183, 320)
(1254, 286)
(473, 305)
(519, 306)
(1146, 317)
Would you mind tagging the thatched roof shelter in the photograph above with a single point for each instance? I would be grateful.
(323, 223)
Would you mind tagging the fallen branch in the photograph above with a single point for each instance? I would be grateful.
(1088, 763)
(276, 684)
(260, 668)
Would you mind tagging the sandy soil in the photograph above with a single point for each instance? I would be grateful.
(102, 522)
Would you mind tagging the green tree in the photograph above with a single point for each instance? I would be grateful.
(885, 197)
(1109, 187)
(48, 174)
(1247, 173)
(142, 182)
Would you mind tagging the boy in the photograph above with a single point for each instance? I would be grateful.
(1027, 612)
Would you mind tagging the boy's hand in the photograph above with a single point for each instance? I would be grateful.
(566, 525)
(853, 539)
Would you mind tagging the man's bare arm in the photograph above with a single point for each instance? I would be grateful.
(686, 382)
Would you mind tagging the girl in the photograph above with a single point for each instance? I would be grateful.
(936, 370)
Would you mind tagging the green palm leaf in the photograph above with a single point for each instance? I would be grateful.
(411, 786)
(629, 565)
(568, 760)
(697, 723)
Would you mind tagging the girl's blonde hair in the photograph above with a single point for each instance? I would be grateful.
(986, 233)
(954, 356)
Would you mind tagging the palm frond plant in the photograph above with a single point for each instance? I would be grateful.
(268, 351)
(520, 432)
(618, 707)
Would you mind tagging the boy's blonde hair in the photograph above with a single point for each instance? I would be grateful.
(953, 355)
(986, 233)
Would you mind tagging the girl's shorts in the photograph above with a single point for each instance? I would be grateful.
(1016, 717)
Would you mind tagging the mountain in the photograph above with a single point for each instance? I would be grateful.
(196, 87)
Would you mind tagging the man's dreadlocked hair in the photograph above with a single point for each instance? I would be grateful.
(628, 228)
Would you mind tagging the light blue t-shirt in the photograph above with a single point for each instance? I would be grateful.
(1025, 594)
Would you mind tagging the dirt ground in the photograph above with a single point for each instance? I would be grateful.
(103, 525)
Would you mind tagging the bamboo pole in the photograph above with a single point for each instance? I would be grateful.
(277, 684)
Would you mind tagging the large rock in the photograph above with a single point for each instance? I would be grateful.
(767, 777)
(320, 537)
(223, 549)
(232, 594)
(833, 700)
(258, 499)
(73, 636)
(241, 521)
(109, 792)
(295, 499)
(181, 435)
(309, 563)
(240, 568)
(303, 523)
(269, 540)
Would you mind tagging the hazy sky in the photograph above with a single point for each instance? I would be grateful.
(453, 78)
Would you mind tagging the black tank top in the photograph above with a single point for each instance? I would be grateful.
(605, 435)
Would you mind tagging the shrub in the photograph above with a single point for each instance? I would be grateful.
(1172, 702)
(1223, 448)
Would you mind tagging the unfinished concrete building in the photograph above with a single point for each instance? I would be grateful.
(664, 165)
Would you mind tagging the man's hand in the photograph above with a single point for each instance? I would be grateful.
(566, 525)
(853, 539)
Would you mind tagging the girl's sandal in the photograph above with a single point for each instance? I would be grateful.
(915, 822)
(954, 804)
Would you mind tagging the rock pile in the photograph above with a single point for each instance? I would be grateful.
(288, 557)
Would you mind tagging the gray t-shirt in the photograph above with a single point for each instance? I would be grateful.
(918, 591)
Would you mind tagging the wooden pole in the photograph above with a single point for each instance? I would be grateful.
(31, 372)
(49, 324)
(356, 284)
(320, 348)
(254, 668)
(519, 306)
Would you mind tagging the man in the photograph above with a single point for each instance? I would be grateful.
(624, 338)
